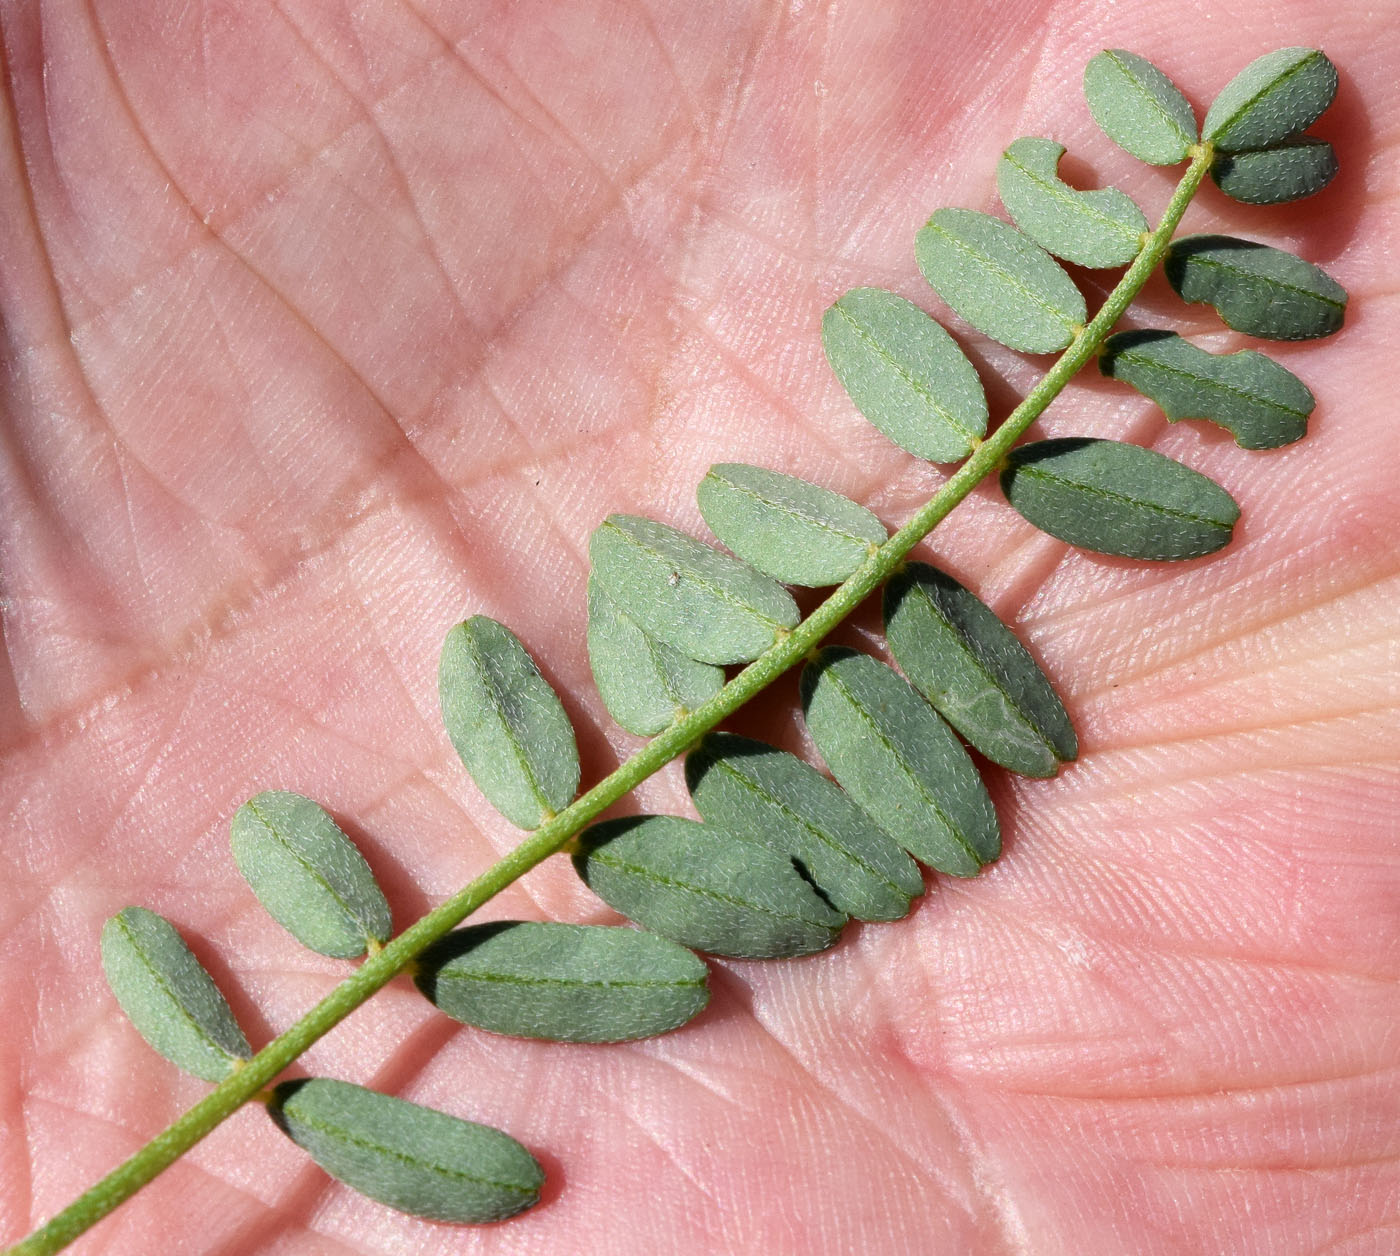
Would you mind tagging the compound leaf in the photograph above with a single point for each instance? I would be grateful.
(563, 983)
(168, 996)
(769, 796)
(308, 874)
(1001, 282)
(893, 754)
(1099, 228)
(1118, 499)
(1273, 97)
(975, 672)
(415, 1159)
(507, 724)
(1259, 402)
(644, 683)
(1139, 108)
(703, 603)
(705, 888)
(1268, 176)
(1256, 289)
(797, 532)
(905, 374)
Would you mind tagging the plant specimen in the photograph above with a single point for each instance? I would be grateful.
(784, 856)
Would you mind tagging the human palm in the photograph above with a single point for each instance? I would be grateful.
(328, 325)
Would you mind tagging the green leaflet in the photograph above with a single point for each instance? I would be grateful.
(1261, 403)
(703, 603)
(1267, 176)
(905, 374)
(1002, 283)
(507, 724)
(769, 796)
(893, 754)
(1118, 499)
(975, 672)
(415, 1159)
(564, 983)
(1278, 95)
(308, 875)
(168, 996)
(644, 683)
(1256, 289)
(705, 888)
(1139, 108)
(794, 531)
(1099, 228)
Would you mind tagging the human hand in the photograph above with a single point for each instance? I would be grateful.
(325, 327)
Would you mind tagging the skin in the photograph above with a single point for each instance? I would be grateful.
(326, 325)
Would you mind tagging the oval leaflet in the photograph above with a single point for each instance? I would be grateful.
(563, 983)
(705, 888)
(1272, 98)
(168, 996)
(1115, 498)
(1256, 289)
(1098, 228)
(645, 684)
(792, 530)
(894, 755)
(1139, 108)
(415, 1159)
(905, 374)
(1000, 281)
(1268, 176)
(1261, 403)
(771, 797)
(975, 673)
(507, 724)
(703, 603)
(308, 875)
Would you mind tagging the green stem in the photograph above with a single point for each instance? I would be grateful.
(379, 968)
